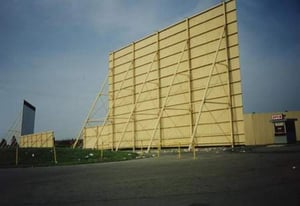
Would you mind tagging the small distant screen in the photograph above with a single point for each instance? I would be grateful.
(28, 118)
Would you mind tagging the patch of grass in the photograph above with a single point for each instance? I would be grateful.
(7, 156)
(28, 157)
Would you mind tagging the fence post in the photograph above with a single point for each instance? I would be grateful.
(54, 151)
(194, 151)
(142, 152)
(158, 150)
(101, 151)
(179, 151)
(17, 155)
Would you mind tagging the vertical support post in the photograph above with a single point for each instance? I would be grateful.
(54, 152)
(17, 155)
(84, 138)
(179, 151)
(112, 114)
(133, 98)
(159, 88)
(142, 152)
(158, 150)
(194, 151)
(189, 75)
(101, 155)
(228, 76)
(97, 141)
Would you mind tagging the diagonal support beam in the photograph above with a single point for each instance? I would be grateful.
(101, 93)
(228, 77)
(206, 90)
(109, 111)
(91, 111)
(167, 97)
(136, 101)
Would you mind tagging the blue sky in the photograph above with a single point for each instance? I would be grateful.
(54, 53)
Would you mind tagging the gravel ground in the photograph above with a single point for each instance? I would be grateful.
(246, 176)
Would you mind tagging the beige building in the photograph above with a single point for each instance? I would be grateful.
(259, 129)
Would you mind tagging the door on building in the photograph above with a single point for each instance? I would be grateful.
(291, 131)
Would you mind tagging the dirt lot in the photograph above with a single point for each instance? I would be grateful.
(260, 176)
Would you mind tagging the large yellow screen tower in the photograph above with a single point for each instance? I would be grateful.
(180, 85)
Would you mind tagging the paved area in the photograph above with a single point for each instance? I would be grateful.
(262, 176)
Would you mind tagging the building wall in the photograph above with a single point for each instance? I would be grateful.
(160, 86)
(260, 131)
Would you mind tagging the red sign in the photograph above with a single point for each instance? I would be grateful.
(277, 116)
